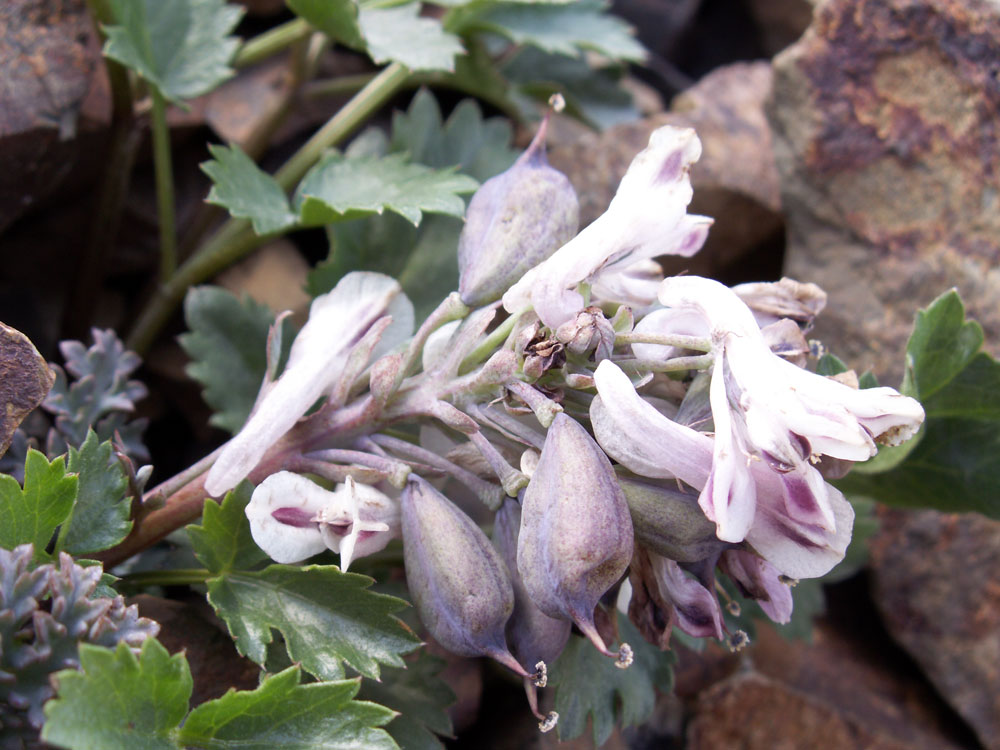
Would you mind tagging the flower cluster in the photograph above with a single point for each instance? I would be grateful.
(619, 424)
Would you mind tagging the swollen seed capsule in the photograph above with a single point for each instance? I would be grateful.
(576, 534)
(515, 220)
(459, 584)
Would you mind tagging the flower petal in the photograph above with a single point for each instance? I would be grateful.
(697, 608)
(285, 491)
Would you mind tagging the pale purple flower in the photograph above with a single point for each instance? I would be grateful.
(767, 410)
(645, 441)
(761, 581)
(361, 307)
(697, 608)
(647, 217)
(292, 518)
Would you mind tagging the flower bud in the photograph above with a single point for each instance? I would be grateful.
(458, 581)
(589, 331)
(515, 220)
(669, 522)
(576, 533)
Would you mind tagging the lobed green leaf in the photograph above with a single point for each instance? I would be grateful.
(100, 517)
(223, 542)
(400, 34)
(336, 18)
(247, 192)
(30, 515)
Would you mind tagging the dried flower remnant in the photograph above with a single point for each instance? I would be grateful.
(292, 518)
(514, 221)
(338, 322)
(647, 217)
(576, 534)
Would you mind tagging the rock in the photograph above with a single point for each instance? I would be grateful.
(238, 109)
(275, 275)
(48, 62)
(25, 380)
(781, 22)
(735, 180)
(887, 140)
(936, 581)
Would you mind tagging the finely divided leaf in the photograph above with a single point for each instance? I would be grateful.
(227, 344)
(589, 684)
(100, 517)
(248, 192)
(118, 701)
(562, 29)
(327, 617)
(420, 696)
(31, 515)
(182, 47)
(336, 18)
(281, 714)
(338, 188)
(401, 35)
(223, 541)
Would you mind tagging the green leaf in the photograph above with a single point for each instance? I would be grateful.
(336, 18)
(476, 146)
(327, 618)
(338, 188)
(589, 684)
(401, 35)
(951, 464)
(281, 714)
(420, 696)
(942, 344)
(119, 702)
(593, 95)
(31, 515)
(223, 542)
(830, 364)
(247, 192)
(227, 344)
(182, 47)
(100, 517)
(561, 29)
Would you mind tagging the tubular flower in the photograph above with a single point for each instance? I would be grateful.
(647, 217)
(362, 306)
(292, 518)
(767, 410)
(639, 437)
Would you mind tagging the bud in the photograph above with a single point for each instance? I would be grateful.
(576, 533)
(458, 581)
(669, 522)
(589, 331)
(515, 220)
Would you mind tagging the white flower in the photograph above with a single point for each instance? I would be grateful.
(768, 410)
(639, 437)
(292, 518)
(339, 322)
(647, 217)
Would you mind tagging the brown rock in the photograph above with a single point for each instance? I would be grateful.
(735, 181)
(274, 275)
(47, 64)
(937, 584)
(25, 380)
(888, 145)
(752, 712)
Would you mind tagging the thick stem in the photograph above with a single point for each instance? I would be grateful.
(177, 577)
(677, 364)
(697, 343)
(487, 346)
(164, 185)
(271, 42)
(236, 238)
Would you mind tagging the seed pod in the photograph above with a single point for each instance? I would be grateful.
(459, 584)
(535, 638)
(515, 220)
(669, 522)
(576, 533)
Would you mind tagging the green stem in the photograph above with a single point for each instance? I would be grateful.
(488, 344)
(164, 185)
(178, 577)
(236, 238)
(271, 42)
(681, 342)
(677, 364)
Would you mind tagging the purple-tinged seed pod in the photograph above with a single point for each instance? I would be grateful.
(576, 533)
(458, 581)
(670, 522)
(534, 637)
(515, 220)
